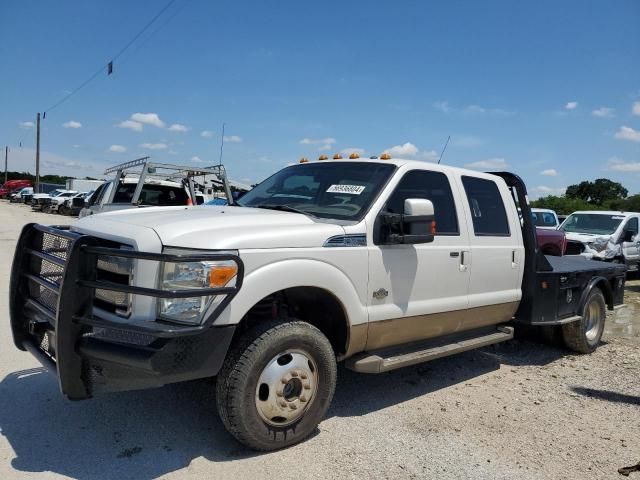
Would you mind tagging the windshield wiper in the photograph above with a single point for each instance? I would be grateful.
(284, 208)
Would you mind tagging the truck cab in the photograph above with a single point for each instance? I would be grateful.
(379, 263)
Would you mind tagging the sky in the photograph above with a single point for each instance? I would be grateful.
(549, 90)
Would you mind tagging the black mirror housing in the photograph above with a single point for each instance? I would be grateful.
(417, 225)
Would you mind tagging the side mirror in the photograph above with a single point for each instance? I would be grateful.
(628, 236)
(415, 225)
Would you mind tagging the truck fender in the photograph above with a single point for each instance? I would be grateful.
(602, 284)
(274, 277)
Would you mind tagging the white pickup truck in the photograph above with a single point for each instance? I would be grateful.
(378, 263)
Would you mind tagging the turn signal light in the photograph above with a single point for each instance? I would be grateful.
(220, 275)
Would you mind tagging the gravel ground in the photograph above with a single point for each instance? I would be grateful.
(516, 410)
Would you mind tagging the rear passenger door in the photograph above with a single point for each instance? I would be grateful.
(497, 252)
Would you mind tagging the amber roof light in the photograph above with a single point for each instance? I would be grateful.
(385, 156)
(354, 156)
(323, 157)
(304, 160)
(337, 156)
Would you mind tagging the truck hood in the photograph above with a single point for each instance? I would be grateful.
(214, 228)
(587, 237)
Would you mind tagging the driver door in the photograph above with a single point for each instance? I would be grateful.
(420, 291)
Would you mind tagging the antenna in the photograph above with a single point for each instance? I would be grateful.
(445, 147)
(221, 145)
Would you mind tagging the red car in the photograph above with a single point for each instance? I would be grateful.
(551, 242)
(12, 185)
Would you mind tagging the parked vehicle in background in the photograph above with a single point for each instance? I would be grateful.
(52, 204)
(82, 185)
(72, 206)
(380, 263)
(551, 242)
(19, 196)
(38, 200)
(141, 183)
(13, 185)
(604, 235)
(545, 218)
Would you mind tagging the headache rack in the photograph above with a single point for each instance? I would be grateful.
(188, 175)
(54, 280)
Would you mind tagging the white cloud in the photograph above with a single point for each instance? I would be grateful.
(22, 160)
(26, 124)
(318, 141)
(232, 139)
(131, 125)
(550, 172)
(348, 151)
(206, 133)
(618, 165)
(148, 119)
(467, 141)
(72, 124)
(442, 106)
(405, 150)
(488, 164)
(410, 151)
(196, 159)
(571, 105)
(117, 149)
(628, 133)
(176, 127)
(473, 109)
(635, 109)
(154, 146)
(545, 190)
(603, 112)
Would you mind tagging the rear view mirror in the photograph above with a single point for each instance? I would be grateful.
(415, 225)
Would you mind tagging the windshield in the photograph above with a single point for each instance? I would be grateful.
(340, 190)
(594, 223)
(543, 219)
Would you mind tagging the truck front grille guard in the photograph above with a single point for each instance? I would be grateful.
(52, 292)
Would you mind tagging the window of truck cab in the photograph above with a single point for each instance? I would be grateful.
(429, 185)
(341, 190)
(487, 207)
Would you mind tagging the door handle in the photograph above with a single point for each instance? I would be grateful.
(454, 254)
(514, 263)
(463, 261)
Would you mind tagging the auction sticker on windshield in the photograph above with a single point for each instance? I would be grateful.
(351, 189)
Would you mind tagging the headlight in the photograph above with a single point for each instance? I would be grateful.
(193, 275)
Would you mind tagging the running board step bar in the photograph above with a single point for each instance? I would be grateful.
(387, 359)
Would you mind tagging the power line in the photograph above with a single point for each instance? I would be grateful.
(109, 65)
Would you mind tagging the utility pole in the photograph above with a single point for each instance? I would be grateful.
(6, 155)
(37, 190)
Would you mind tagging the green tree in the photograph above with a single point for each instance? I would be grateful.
(563, 205)
(598, 192)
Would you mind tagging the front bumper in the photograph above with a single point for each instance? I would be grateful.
(53, 283)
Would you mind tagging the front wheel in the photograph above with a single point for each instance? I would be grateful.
(276, 384)
(584, 335)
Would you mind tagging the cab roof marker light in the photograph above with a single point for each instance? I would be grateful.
(323, 157)
(385, 156)
(337, 156)
(354, 156)
(304, 160)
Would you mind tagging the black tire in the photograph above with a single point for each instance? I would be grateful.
(63, 210)
(237, 394)
(584, 335)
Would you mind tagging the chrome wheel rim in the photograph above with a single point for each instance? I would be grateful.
(593, 319)
(286, 388)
